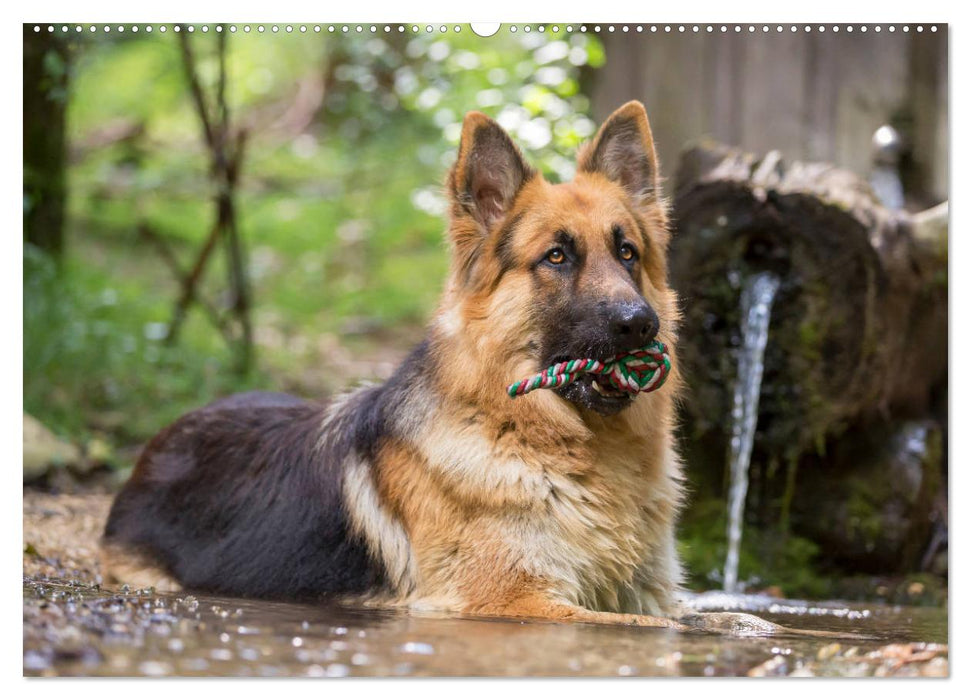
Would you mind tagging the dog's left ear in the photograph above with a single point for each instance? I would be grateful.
(623, 151)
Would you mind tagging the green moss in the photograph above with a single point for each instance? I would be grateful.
(864, 518)
(810, 339)
(767, 557)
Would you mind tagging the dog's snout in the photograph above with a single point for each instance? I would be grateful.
(633, 325)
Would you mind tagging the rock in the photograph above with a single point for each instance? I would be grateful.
(776, 666)
(828, 651)
(937, 667)
(43, 450)
(97, 453)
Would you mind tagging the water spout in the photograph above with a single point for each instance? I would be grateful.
(756, 305)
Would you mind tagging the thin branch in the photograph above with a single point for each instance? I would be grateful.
(168, 257)
(188, 61)
(189, 283)
(226, 153)
(221, 85)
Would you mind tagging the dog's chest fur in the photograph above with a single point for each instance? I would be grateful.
(484, 507)
(590, 534)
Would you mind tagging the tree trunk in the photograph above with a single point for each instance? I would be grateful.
(859, 325)
(856, 354)
(45, 104)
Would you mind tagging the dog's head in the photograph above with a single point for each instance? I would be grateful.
(562, 271)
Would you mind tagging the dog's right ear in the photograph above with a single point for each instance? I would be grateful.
(488, 174)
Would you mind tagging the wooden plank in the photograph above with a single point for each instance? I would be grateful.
(929, 111)
(822, 88)
(813, 95)
(773, 91)
(872, 89)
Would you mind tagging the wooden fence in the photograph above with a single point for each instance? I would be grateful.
(812, 95)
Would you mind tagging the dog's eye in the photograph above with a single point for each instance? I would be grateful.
(555, 256)
(627, 252)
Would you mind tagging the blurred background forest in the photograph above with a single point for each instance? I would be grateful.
(329, 150)
(339, 203)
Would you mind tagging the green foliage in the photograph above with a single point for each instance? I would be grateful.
(93, 356)
(340, 203)
(529, 83)
(767, 557)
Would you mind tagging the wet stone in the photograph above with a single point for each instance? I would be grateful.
(417, 648)
(155, 668)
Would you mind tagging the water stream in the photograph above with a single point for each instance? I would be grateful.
(756, 305)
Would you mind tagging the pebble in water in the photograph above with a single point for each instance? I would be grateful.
(195, 665)
(776, 666)
(36, 661)
(249, 654)
(155, 668)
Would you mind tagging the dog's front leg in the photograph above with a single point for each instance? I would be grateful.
(543, 607)
(737, 624)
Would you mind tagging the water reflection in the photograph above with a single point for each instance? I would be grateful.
(80, 630)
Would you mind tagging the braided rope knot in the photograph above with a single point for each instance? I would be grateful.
(644, 369)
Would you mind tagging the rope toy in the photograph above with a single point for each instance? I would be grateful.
(644, 369)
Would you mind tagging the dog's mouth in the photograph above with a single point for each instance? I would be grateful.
(592, 393)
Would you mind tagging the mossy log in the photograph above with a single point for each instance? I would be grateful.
(859, 325)
(870, 503)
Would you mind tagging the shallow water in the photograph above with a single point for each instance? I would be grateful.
(74, 629)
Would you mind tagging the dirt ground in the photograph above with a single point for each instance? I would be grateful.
(61, 534)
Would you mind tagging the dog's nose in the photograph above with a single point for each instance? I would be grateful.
(633, 325)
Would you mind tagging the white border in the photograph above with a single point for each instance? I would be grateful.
(826, 11)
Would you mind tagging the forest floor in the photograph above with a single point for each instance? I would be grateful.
(75, 626)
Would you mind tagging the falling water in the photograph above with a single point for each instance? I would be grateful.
(756, 303)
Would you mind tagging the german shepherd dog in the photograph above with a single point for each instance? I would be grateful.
(436, 490)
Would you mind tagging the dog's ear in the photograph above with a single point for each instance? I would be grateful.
(623, 151)
(488, 173)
